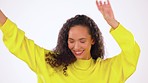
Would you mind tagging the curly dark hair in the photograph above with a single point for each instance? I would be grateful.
(62, 55)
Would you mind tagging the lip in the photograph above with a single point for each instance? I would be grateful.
(78, 53)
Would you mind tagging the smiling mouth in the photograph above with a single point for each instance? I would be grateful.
(78, 53)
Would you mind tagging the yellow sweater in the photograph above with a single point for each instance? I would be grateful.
(111, 70)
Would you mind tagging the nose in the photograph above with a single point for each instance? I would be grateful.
(76, 46)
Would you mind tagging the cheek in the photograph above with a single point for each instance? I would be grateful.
(88, 47)
(85, 46)
(70, 46)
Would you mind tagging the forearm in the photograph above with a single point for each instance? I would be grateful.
(3, 18)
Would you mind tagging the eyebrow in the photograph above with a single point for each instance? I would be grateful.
(79, 39)
(71, 38)
(82, 39)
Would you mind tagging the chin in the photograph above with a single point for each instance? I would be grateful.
(79, 57)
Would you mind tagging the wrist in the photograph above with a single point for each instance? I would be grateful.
(113, 23)
(3, 18)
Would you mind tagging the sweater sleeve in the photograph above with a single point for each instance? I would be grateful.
(21, 46)
(124, 64)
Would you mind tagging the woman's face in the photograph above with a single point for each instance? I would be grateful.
(80, 42)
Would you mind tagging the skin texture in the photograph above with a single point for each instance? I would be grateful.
(80, 42)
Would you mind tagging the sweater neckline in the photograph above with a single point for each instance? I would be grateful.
(83, 64)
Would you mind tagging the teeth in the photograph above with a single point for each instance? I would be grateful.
(78, 53)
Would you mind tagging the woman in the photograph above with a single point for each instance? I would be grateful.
(78, 56)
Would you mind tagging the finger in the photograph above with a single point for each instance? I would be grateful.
(108, 2)
(104, 3)
(99, 4)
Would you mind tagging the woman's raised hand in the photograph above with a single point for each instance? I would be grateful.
(107, 12)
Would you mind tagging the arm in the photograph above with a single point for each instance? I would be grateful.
(19, 45)
(124, 64)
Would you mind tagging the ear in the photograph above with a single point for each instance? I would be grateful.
(92, 42)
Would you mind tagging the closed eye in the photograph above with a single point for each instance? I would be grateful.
(82, 40)
(70, 40)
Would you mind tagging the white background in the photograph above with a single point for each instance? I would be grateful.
(42, 19)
